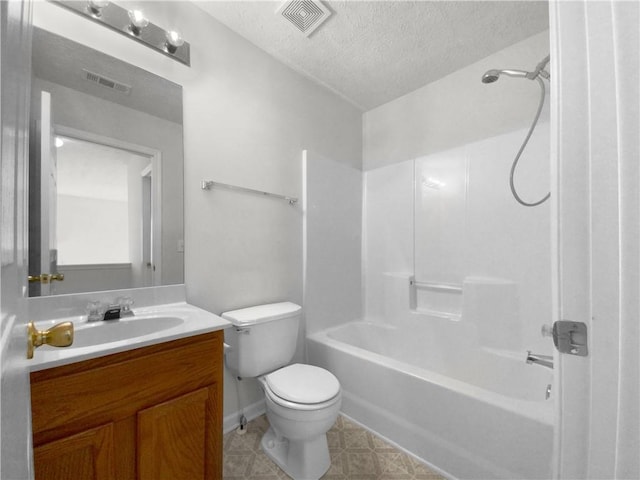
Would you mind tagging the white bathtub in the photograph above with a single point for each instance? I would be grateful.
(471, 412)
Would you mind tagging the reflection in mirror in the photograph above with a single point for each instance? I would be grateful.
(105, 173)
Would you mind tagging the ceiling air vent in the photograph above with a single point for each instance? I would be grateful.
(305, 15)
(106, 82)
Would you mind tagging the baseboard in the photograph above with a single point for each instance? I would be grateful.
(431, 466)
(232, 420)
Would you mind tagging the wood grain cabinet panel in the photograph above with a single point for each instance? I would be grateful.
(87, 455)
(172, 438)
(162, 404)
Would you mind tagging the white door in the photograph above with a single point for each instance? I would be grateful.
(147, 223)
(15, 412)
(48, 193)
(596, 99)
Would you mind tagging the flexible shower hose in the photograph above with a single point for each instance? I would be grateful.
(524, 144)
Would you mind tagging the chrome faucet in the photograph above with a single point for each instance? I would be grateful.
(98, 311)
(543, 360)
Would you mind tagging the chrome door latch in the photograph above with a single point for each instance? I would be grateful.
(570, 337)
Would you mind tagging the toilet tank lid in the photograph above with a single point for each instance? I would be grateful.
(262, 313)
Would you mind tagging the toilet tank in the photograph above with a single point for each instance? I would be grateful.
(262, 339)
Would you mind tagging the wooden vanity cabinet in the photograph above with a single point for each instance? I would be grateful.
(148, 414)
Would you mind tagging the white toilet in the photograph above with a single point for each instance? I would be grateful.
(302, 401)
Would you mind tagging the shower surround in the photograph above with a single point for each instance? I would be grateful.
(456, 283)
(429, 342)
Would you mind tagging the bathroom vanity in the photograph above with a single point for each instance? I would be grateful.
(149, 413)
(134, 398)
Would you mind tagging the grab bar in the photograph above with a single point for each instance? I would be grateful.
(542, 360)
(437, 287)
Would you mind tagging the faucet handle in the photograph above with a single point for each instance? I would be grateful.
(125, 304)
(94, 310)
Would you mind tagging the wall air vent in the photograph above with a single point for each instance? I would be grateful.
(106, 82)
(305, 15)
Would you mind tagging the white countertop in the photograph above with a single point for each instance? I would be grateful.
(196, 321)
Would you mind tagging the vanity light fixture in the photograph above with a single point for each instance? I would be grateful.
(138, 22)
(95, 7)
(134, 24)
(174, 40)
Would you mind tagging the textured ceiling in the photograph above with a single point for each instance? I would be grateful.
(371, 52)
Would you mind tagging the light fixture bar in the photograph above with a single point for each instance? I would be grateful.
(117, 18)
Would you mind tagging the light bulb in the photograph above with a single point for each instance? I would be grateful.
(138, 21)
(96, 6)
(174, 40)
(59, 142)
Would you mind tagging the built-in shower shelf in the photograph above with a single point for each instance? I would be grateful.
(436, 299)
(455, 317)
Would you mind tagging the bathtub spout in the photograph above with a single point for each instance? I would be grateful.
(543, 360)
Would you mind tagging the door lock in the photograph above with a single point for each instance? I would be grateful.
(570, 337)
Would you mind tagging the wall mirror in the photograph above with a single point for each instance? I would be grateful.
(105, 172)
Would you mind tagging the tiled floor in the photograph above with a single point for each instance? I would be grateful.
(356, 454)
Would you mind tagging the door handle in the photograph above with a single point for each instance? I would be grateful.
(60, 335)
(46, 277)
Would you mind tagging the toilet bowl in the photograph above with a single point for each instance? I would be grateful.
(302, 401)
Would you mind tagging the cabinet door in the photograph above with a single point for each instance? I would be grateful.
(174, 438)
(87, 455)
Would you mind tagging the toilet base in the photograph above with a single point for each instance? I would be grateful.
(301, 459)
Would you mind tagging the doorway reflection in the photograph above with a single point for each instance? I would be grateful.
(104, 211)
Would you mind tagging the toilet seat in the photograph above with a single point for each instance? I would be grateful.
(302, 387)
(301, 407)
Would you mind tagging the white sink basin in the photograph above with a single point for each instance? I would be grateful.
(148, 326)
(98, 333)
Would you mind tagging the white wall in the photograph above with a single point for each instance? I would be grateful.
(455, 110)
(247, 119)
(95, 219)
(388, 232)
(332, 245)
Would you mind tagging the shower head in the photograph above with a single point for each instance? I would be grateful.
(492, 75)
